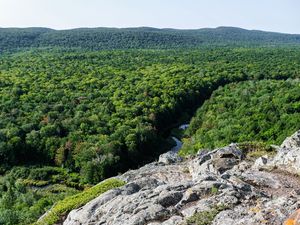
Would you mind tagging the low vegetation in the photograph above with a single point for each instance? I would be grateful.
(61, 208)
(254, 150)
(205, 217)
(26, 193)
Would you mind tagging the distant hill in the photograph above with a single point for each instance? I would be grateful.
(12, 39)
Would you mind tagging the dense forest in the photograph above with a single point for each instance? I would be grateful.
(99, 112)
(15, 39)
(265, 111)
(79, 106)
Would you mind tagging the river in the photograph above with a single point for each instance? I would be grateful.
(178, 145)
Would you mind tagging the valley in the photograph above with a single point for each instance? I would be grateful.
(73, 116)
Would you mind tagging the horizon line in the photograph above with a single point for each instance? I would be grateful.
(138, 27)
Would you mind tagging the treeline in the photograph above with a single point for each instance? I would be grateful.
(263, 111)
(16, 39)
(103, 112)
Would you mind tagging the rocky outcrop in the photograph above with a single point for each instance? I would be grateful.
(169, 158)
(292, 142)
(170, 191)
(288, 157)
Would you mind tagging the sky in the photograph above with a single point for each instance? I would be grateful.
(269, 15)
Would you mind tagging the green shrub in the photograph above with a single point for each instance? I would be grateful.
(24, 200)
(9, 217)
(36, 183)
(205, 217)
(64, 206)
(20, 172)
(214, 190)
(256, 149)
(45, 173)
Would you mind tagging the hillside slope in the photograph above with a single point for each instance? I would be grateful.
(14, 39)
(265, 111)
(221, 187)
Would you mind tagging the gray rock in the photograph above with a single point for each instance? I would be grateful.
(288, 156)
(265, 211)
(167, 193)
(169, 198)
(232, 152)
(261, 162)
(292, 142)
(190, 195)
(174, 220)
(169, 158)
(261, 179)
(216, 162)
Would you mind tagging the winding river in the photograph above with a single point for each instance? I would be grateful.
(178, 145)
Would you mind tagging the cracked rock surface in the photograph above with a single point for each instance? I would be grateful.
(171, 190)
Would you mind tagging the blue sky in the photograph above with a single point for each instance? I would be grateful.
(271, 15)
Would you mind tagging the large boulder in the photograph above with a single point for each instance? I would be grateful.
(169, 158)
(288, 156)
(292, 141)
(215, 162)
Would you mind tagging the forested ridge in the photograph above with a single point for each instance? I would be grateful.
(264, 111)
(15, 39)
(100, 111)
(71, 115)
